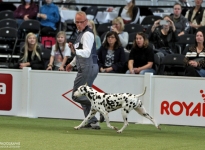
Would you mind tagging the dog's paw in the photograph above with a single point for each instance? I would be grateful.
(119, 131)
(76, 128)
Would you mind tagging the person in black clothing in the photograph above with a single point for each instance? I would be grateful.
(164, 36)
(141, 57)
(196, 16)
(31, 54)
(111, 55)
(181, 23)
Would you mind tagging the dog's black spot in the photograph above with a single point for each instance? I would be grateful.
(89, 96)
(85, 89)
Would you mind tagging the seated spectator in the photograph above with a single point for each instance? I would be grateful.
(184, 3)
(141, 57)
(60, 53)
(30, 54)
(48, 17)
(196, 16)
(67, 6)
(91, 24)
(181, 23)
(195, 65)
(111, 55)
(164, 35)
(118, 27)
(27, 10)
(126, 12)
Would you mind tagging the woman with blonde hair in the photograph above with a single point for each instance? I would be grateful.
(141, 57)
(118, 27)
(127, 12)
(30, 54)
(60, 53)
(91, 25)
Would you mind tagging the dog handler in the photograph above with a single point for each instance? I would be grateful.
(84, 48)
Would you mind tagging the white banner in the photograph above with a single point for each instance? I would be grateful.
(169, 99)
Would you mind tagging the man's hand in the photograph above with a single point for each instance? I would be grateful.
(71, 47)
(43, 16)
(69, 67)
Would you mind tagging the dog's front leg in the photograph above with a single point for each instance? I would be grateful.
(105, 115)
(124, 116)
(89, 116)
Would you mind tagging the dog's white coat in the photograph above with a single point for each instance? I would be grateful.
(105, 103)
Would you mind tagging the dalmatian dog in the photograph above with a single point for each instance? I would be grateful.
(105, 103)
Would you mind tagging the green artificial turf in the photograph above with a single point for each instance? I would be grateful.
(58, 134)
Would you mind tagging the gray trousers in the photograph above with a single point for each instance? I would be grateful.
(86, 74)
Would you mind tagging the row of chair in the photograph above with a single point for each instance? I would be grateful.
(171, 64)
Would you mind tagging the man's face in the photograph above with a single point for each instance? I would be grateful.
(198, 2)
(48, 1)
(81, 22)
(177, 10)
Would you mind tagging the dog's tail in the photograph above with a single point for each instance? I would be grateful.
(142, 93)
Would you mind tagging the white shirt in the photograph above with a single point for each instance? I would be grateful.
(124, 15)
(87, 40)
(57, 56)
(124, 37)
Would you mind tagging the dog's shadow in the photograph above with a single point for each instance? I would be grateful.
(133, 130)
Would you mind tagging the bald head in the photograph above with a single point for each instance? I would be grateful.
(81, 20)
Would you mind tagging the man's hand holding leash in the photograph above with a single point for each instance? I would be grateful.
(71, 47)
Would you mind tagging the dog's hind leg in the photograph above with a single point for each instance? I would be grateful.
(89, 116)
(124, 116)
(142, 111)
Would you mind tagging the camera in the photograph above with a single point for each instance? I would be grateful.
(163, 22)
